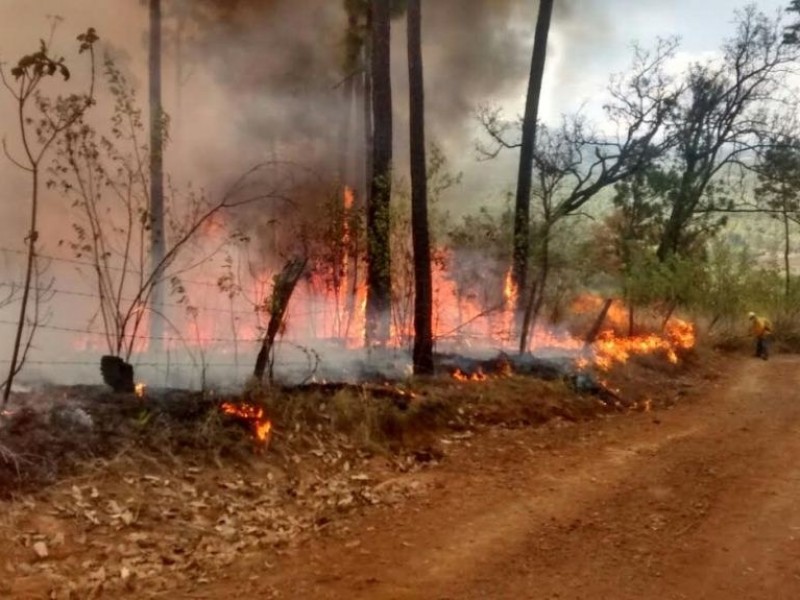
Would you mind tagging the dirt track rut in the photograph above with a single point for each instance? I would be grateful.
(699, 502)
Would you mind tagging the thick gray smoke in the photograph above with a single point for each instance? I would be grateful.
(281, 63)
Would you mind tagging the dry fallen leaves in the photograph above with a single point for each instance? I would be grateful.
(147, 531)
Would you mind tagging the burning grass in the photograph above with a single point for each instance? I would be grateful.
(177, 492)
(254, 415)
(59, 429)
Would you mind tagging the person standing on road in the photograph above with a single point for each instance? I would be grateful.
(761, 330)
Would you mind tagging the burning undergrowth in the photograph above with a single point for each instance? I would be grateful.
(53, 432)
(50, 433)
(167, 488)
(568, 373)
(158, 487)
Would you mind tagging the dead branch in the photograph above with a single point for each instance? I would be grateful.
(282, 291)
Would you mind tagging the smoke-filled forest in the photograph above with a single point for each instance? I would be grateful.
(398, 298)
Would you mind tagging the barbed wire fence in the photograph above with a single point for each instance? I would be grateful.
(184, 358)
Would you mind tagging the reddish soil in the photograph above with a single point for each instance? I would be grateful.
(696, 502)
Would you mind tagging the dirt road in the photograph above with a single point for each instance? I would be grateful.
(698, 502)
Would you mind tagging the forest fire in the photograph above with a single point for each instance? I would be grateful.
(463, 322)
(474, 310)
(561, 354)
(612, 347)
(253, 415)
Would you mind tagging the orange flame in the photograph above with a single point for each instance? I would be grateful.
(610, 349)
(139, 390)
(478, 375)
(260, 424)
(509, 291)
(348, 198)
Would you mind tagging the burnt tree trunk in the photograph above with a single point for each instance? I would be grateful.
(366, 102)
(157, 242)
(526, 319)
(282, 292)
(423, 286)
(522, 205)
(117, 374)
(379, 272)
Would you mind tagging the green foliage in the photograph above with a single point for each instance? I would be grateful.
(779, 177)
(728, 292)
(724, 111)
(645, 204)
(735, 284)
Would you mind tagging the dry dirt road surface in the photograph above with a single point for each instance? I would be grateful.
(698, 502)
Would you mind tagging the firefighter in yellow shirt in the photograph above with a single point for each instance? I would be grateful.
(761, 330)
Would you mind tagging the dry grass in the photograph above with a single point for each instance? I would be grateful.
(378, 425)
(10, 457)
(368, 419)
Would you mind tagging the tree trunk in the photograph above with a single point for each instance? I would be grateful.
(366, 97)
(364, 100)
(786, 251)
(523, 195)
(526, 319)
(175, 130)
(379, 272)
(544, 275)
(157, 242)
(684, 204)
(423, 286)
(670, 239)
(341, 271)
(536, 298)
